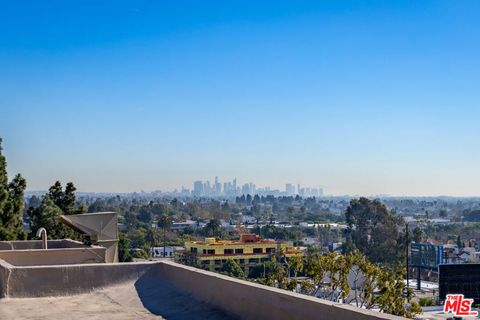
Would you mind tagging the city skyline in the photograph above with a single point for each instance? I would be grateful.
(235, 188)
(365, 97)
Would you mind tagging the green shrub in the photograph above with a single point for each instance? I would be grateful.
(426, 302)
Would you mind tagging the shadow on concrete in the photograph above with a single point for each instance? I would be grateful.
(162, 298)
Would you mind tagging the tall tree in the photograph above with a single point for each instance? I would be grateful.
(418, 235)
(11, 203)
(212, 228)
(374, 231)
(46, 216)
(124, 249)
(164, 223)
(56, 194)
(68, 201)
(3, 179)
(65, 200)
(55, 203)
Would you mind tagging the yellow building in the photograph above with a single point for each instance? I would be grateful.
(248, 251)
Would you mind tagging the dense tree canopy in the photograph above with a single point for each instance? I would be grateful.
(124, 249)
(374, 231)
(55, 203)
(418, 235)
(213, 228)
(45, 216)
(471, 215)
(232, 269)
(11, 203)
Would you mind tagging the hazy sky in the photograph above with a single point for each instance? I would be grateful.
(360, 97)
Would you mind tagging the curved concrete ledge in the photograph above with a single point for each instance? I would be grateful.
(236, 298)
(248, 300)
(64, 280)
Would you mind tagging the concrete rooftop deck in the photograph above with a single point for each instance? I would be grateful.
(152, 300)
(148, 290)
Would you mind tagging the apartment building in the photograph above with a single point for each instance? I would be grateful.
(247, 251)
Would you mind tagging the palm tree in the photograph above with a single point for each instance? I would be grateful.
(165, 222)
(213, 227)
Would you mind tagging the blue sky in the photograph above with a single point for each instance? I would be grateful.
(359, 97)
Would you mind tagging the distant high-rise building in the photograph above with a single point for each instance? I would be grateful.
(289, 189)
(206, 188)
(253, 188)
(197, 188)
(246, 189)
(218, 187)
(301, 191)
(225, 187)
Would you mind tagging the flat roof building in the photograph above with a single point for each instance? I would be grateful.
(247, 251)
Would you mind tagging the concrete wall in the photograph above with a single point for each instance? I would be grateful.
(111, 253)
(54, 256)
(4, 275)
(240, 299)
(37, 244)
(248, 300)
(66, 251)
(62, 280)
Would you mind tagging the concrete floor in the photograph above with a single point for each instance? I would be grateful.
(153, 299)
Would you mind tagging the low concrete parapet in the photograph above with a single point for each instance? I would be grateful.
(37, 244)
(54, 256)
(64, 280)
(247, 300)
(237, 298)
(59, 252)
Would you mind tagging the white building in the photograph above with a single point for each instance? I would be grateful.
(182, 225)
(157, 252)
